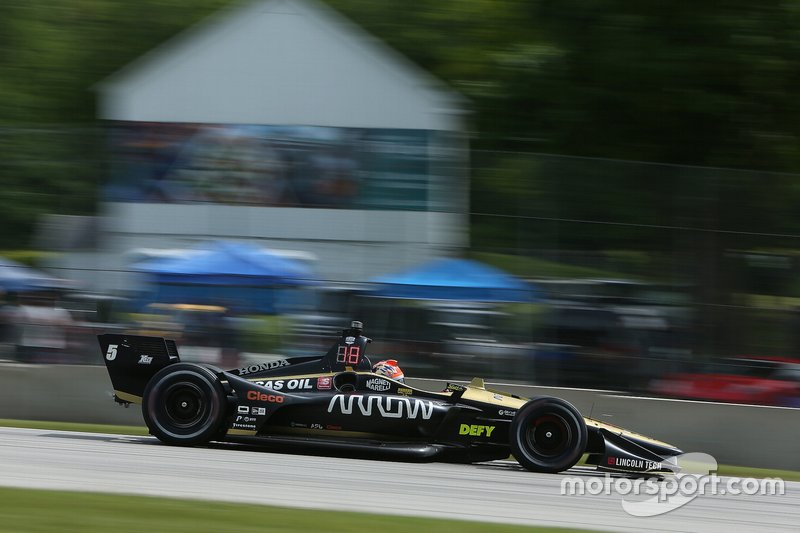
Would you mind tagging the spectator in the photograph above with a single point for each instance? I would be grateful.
(42, 330)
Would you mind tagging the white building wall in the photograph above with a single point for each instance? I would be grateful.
(281, 62)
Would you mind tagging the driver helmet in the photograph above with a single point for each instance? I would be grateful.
(388, 368)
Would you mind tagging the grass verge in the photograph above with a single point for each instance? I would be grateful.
(74, 426)
(748, 471)
(45, 511)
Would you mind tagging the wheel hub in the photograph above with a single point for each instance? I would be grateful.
(549, 435)
(184, 404)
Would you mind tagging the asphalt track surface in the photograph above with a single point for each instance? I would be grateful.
(493, 492)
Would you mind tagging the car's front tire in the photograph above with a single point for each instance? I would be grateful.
(548, 435)
(184, 404)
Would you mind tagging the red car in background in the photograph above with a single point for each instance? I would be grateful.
(751, 380)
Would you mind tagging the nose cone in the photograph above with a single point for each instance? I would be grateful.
(657, 447)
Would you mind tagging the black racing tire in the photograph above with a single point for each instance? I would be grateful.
(184, 404)
(548, 435)
(230, 405)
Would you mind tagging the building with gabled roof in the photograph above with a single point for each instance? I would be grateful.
(283, 123)
(288, 62)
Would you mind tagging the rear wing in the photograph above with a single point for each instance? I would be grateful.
(131, 360)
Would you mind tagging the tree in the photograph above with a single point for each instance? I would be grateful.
(51, 54)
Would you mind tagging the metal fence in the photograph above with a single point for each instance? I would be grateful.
(643, 269)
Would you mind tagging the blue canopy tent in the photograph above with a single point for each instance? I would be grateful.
(15, 277)
(455, 279)
(237, 274)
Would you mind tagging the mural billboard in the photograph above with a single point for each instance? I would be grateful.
(292, 166)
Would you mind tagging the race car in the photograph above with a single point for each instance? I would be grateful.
(336, 401)
(749, 380)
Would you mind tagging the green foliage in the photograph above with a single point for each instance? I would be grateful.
(51, 55)
(27, 257)
(675, 83)
(263, 333)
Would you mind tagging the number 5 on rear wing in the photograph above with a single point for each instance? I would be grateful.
(131, 361)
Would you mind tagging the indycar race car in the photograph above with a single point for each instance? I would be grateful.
(336, 401)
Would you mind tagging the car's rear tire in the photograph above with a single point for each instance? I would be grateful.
(548, 435)
(184, 404)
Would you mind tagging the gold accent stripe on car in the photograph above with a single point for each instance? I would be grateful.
(243, 432)
(623, 432)
(124, 396)
(483, 395)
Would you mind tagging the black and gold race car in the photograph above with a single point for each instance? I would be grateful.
(336, 401)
